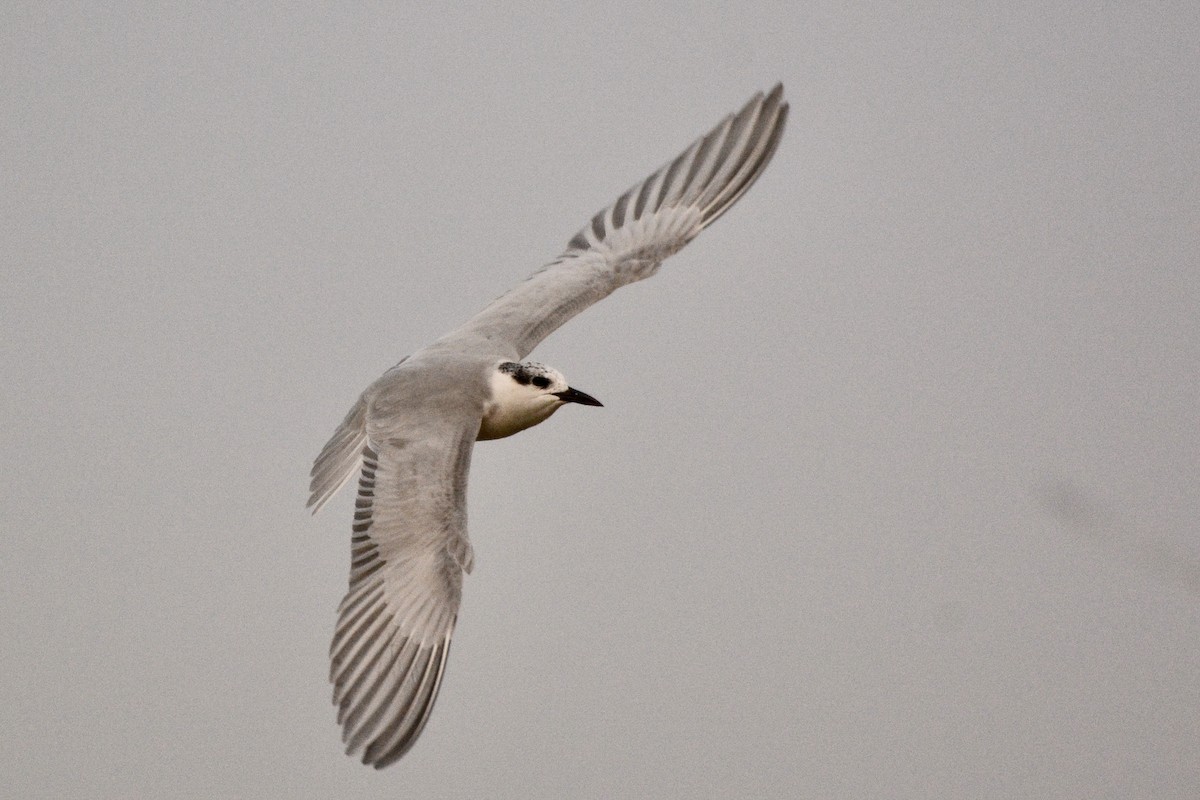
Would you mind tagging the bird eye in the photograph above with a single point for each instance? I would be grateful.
(541, 381)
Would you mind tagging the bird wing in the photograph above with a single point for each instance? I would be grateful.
(408, 554)
(627, 241)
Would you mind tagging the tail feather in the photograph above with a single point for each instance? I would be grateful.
(341, 457)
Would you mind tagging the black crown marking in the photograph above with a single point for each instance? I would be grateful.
(526, 374)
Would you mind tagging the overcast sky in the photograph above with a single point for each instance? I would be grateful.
(894, 493)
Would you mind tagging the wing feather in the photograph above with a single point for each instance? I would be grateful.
(628, 240)
(408, 552)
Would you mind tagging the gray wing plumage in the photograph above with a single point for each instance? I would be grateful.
(627, 241)
(408, 554)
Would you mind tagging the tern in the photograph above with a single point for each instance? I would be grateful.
(409, 436)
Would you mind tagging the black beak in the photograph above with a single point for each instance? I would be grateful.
(576, 396)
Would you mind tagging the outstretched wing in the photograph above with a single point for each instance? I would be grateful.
(627, 241)
(408, 554)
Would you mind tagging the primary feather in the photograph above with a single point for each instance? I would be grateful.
(627, 241)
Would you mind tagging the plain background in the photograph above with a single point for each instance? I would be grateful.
(895, 490)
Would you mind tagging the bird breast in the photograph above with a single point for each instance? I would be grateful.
(513, 410)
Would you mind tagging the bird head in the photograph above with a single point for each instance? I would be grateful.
(524, 394)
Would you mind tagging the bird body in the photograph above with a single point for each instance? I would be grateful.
(410, 435)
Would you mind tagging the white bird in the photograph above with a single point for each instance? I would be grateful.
(409, 436)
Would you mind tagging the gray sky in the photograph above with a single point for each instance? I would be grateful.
(895, 490)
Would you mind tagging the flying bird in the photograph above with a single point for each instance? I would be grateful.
(409, 436)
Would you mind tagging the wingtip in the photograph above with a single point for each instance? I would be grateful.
(774, 98)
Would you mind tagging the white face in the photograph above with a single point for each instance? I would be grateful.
(525, 394)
